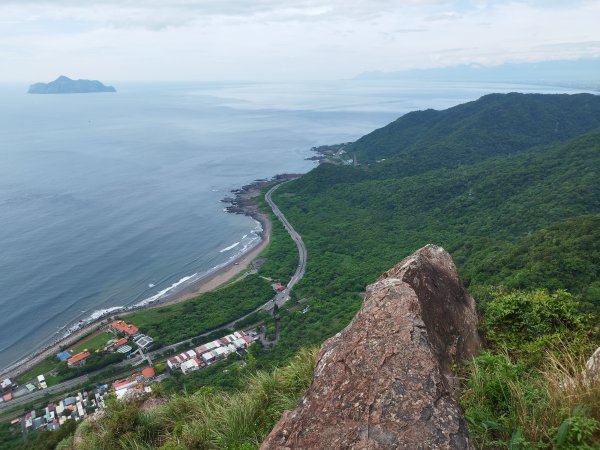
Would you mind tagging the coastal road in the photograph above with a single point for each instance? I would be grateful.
(302, 253)
(279, 299)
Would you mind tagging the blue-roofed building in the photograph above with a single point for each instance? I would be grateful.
(63, 356)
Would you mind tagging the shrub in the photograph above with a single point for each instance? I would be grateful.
(527, 323)
(556, 405)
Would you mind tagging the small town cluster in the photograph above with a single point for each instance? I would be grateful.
(87, 403)
(211, 352)
(84, 403)
(69, 408)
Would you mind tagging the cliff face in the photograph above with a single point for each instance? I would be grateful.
(385, 381)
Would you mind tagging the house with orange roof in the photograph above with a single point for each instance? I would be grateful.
(148, 373)
(119, 326)
(118, 343)
(78, 360)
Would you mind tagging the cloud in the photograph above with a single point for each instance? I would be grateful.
(160, 14)
(447, 15)
(295, 39)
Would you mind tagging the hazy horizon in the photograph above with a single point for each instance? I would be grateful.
(300, 40)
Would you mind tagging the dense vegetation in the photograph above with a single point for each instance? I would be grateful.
(526, 220)
(529, 389)
(508, 185)
(201, 314)
(494, 125)
(504, 220)
(11, 438)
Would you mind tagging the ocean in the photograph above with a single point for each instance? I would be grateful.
(109, 200)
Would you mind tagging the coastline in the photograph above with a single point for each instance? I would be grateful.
(243, 202)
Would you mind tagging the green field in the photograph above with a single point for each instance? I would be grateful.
(45, 366)
(97, 342)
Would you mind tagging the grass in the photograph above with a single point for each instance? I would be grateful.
(96, 342)
(207, 419)
(508, 405)
(43, 367)
(51, 363)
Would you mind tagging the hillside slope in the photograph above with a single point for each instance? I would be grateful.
(494, 125)
(520, 211)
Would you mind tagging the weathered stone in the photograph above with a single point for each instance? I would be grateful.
(593, 364)
(385, 381)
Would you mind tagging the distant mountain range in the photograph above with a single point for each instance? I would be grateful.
(581, 73)
(65, 85)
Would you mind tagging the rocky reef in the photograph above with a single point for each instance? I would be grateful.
(386, 380)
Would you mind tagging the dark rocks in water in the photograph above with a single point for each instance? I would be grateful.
(385, 381)
(243, 202)
(65, 85)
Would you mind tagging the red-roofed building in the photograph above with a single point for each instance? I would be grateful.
(124, 384)
(7, 397)
(78, 360)
(148, 373)
(120, 342)
(279, 287)
(118, 326)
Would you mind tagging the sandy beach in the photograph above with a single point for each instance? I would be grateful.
(211, 281)
(225, 273)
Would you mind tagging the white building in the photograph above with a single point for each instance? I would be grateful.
(190, 366)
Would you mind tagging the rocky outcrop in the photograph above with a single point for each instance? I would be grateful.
(386, 380)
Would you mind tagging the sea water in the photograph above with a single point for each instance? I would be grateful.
(110, 200)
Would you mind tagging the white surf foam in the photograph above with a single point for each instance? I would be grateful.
(164, 291)
(252, 240)
(229, 248)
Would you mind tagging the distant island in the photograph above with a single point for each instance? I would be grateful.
(65, 85)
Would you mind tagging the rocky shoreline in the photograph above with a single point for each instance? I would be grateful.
(243, 200)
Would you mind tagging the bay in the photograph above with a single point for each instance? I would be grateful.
(108, 199)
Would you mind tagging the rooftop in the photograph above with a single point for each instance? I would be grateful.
(148, 373)
(124, 327)
(120, 342)
(62, 356)
(78, 357)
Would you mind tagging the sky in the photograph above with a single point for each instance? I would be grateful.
(281, 40)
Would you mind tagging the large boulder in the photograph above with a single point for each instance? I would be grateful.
(386, 380)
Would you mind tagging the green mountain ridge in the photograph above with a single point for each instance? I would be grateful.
(496, 124)
(508, 184)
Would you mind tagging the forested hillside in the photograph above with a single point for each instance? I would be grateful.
(473, 210)
(509, 186)
(494, 125)
(515, 201)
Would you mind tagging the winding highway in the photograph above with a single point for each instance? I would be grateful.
(302, 254)
(279, 299)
